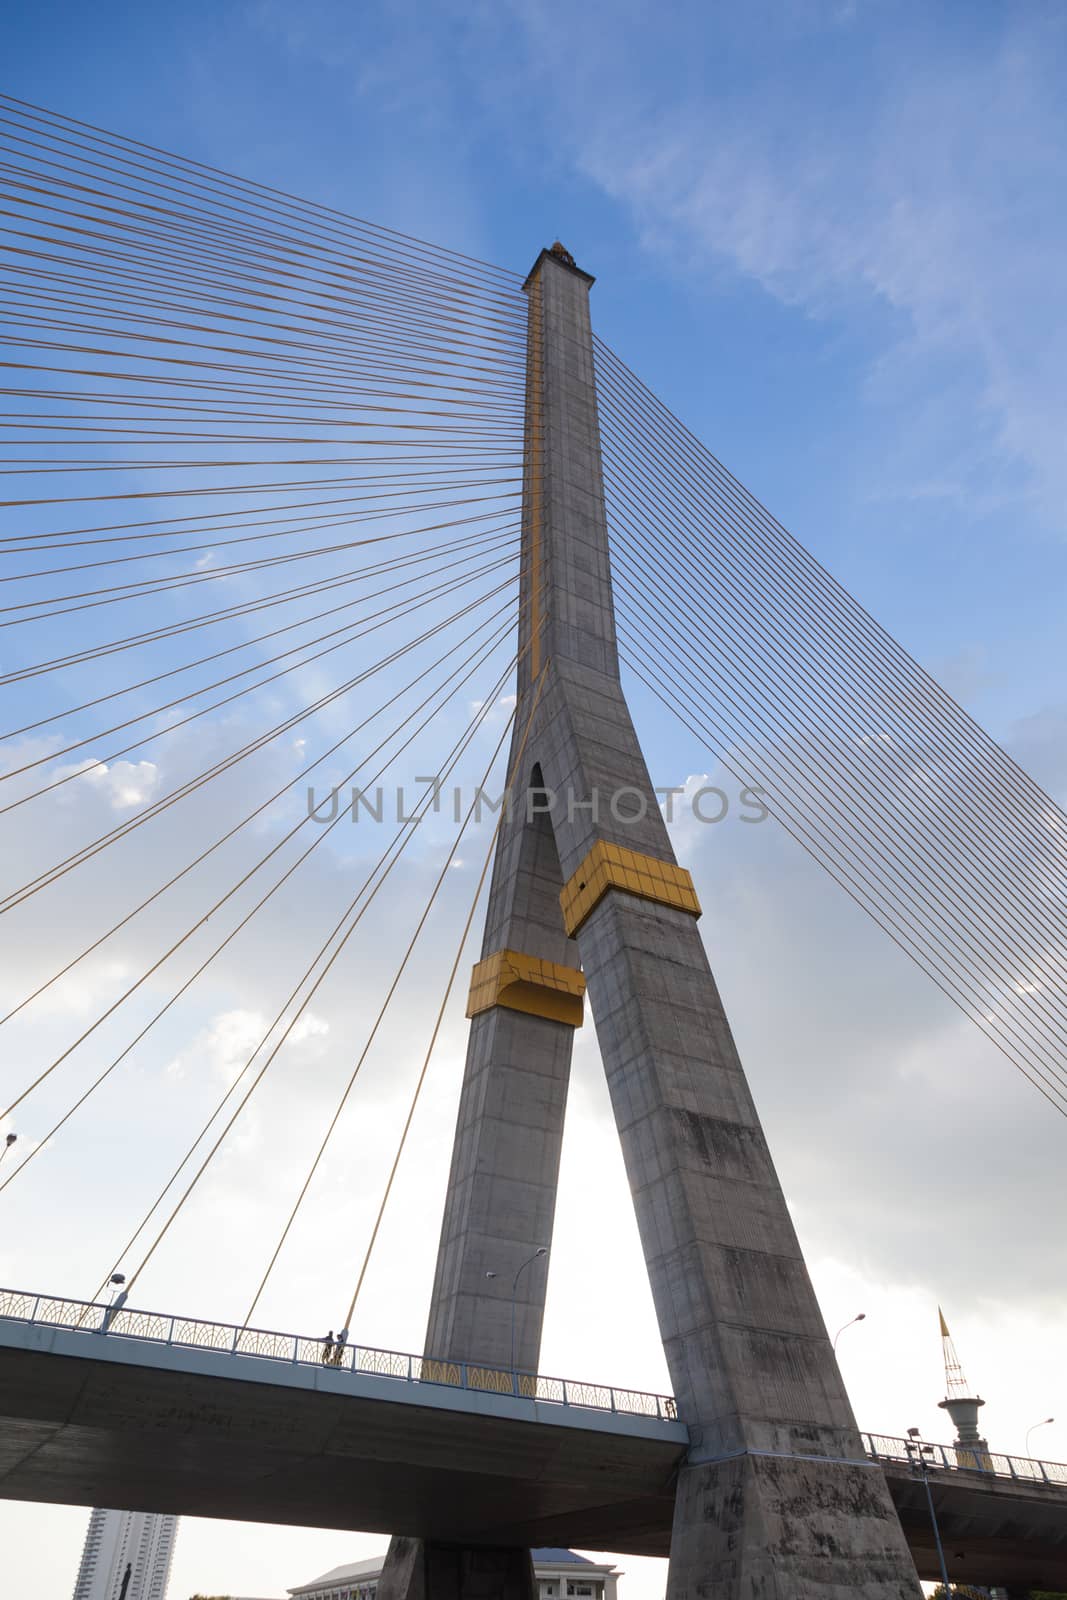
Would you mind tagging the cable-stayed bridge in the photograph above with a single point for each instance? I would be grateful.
(295, 503)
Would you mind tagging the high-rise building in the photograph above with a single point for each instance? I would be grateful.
(141, 1540)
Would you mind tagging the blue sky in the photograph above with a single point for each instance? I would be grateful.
(825, 233)
(831, 237)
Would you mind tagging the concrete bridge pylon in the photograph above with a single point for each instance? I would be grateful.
(777, 1500)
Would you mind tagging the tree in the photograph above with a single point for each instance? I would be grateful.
(964, 1591)
(960, 1591)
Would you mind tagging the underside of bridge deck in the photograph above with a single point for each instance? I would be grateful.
(995, 1533)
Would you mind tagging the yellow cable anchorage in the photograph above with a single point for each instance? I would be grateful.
(531, 984)
(613, 866)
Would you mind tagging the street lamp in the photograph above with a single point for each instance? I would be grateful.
(540, 1251)
(8, 1142)
(861, 1316)
(917, 1454)
(118, 1299)
(1042, 1424)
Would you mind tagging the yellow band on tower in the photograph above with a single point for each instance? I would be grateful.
(527, 983)
(612, 866)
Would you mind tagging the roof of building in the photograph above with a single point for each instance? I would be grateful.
(550, 1557)
(353, 1571)
(350, 1571)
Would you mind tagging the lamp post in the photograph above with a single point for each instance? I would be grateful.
(118, 1300)
(918, 1452)
(1042, 1424)
(542, 1250)
(8, 1142)
(861, 1316)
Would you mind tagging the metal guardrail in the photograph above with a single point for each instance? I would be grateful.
(957, 1458)
(191, 1333)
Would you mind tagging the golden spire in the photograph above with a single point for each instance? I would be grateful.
(956, 1385)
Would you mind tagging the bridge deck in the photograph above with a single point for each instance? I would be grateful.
(87, 1418)
(112, 1419)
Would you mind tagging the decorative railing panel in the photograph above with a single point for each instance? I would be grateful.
(958, 1458)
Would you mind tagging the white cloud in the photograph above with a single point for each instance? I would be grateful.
(934, 203)
(125, 783)
(79, 992)
(233, 1037)
(308, 1027)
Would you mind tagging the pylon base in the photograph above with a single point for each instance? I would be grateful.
(777, 1528)
(420, 1569)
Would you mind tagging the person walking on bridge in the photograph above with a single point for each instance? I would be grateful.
(327, 1349)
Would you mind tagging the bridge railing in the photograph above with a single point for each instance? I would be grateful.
(958, 1458)
(192, 1333)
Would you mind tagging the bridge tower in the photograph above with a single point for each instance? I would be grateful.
(776, 1498)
